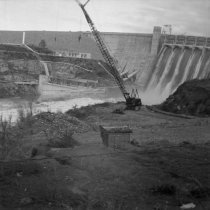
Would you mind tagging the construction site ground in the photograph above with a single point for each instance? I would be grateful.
(166, 165)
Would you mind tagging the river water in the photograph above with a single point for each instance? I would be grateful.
(11, 107)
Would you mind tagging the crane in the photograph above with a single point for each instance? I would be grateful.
(132, 100)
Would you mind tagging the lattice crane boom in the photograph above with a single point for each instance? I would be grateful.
(105, 52)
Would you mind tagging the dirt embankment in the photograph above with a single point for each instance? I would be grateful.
(192, 98)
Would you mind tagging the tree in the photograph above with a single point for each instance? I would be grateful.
(42, 44)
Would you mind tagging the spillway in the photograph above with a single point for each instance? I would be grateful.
(175, 64)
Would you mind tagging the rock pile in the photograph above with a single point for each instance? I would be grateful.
(192, 97)
(59, 125)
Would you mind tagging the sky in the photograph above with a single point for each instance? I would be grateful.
(190, 17)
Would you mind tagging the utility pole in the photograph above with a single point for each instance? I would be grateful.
(24, 36)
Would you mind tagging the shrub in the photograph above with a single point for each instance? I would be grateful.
(10, 141)
(25, 113)
(25, 118)
(118, 111)
(65, 141)
(164, 189)
(81, 113)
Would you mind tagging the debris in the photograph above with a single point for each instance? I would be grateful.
(157, 208)
(135, 143)
(19, 174)
(165, 189)
(34, 152)
(118, 111)
(68, 178)
(200, 192)
(26, 201)
(174, 174)
(63, 160)
(58, 125)
(188, 206)
(55, 150)
(65, 206)
(59, 129)
(76, 190)
(185, 142)
(188, 145)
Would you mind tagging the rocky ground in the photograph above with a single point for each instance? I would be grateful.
(192, 97)
(165, 166)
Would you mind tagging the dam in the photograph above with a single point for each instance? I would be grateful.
(158, 62)
(181, 58)
(130, 49)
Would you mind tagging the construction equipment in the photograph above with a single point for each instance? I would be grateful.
(132, 100)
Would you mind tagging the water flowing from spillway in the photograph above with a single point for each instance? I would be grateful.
(159, 67)
(175, 72)
(175, 65)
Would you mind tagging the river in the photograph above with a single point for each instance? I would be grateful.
(10, 107)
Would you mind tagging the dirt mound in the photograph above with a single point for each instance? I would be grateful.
(192, 97)
(58, 124)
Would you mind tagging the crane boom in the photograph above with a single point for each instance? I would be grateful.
(105, 52)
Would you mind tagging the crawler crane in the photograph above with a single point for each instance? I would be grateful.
(133, 102)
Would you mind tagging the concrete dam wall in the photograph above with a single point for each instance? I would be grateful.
(130, 49)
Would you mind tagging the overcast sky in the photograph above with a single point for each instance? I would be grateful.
(139, 16)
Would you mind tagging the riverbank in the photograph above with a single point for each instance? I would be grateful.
(165, 166)
(12, 106)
